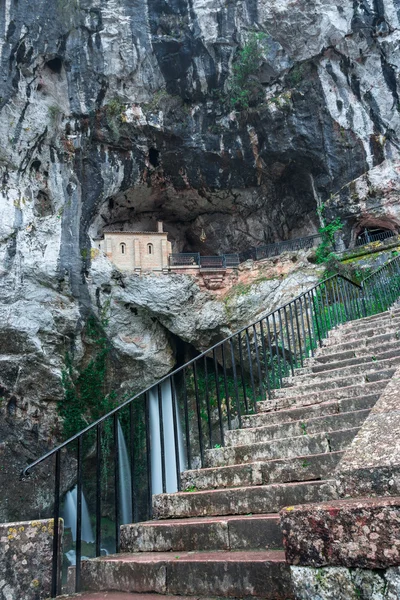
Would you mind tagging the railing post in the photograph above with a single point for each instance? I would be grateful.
(55, 576)
(363, 301)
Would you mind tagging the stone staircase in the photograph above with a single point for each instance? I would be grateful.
(222, 537)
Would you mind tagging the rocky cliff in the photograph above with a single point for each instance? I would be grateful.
(122, 113)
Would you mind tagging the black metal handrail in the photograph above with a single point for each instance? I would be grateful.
(232, 260)
(187, 259)
(278, 248)
(212, 392)
(193, 259)
(367, 238)
(256, 253)
(213, 262)
(382, 288)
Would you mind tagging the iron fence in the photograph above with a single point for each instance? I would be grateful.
(213, 262)
(232, 260)
(187, 259)
(272, 250)
(367, 238)
(382, 288)
(175, 424)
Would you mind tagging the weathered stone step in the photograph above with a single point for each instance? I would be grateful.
(301, 468)
(257, 435)
(261, 499)
(391, 350)
(251, 532)
(376, 373)
(262, 574)
(367, 322)
(368, 365)
(354, 344)
(314, 410)
(324, 356)
(317, 443)
(351, 391)
(354, 334)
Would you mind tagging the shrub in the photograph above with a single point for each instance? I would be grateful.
(325, 250)
(243, 86)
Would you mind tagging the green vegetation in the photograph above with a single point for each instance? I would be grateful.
(115, 116)
(296, 75)
(244, 87)
(324, 251)
(54, 113)
(191, 488)
(85, 396)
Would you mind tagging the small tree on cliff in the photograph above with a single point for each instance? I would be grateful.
(244, 87)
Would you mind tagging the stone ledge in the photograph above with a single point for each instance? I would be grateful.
(362, 533)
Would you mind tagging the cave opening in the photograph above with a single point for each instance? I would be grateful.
(214, 221)
(154, 157)
(55, 65)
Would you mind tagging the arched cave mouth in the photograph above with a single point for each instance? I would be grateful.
(216, 221)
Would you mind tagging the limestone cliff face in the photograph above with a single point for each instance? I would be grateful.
(113, 112)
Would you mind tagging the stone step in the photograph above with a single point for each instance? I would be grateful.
(251, 532)
(260, 574)
(352, 391)
(341, 335)
(261, 499)
(317, 443)
(352, 341)
(325, 356)
(315, 410)
(391, 350)
(368, 365)
(373, 320)
(376, 373)
(300, 468)
(257, 435)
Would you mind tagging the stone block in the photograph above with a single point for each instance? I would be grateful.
(340, 583)
(123, 572)
(26, 559)
(363, 533)
(371, 465)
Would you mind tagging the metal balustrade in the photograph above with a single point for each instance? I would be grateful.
(213, 262)
(186, 259)
(272, 250)
(233, 260)
(207, 396)
(382, 288)
(367, 238)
